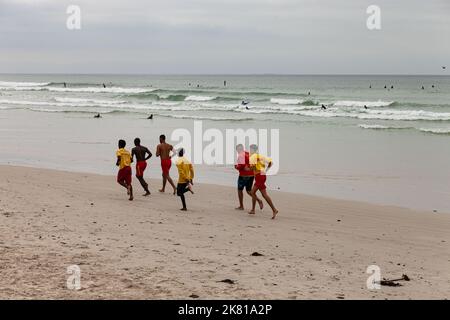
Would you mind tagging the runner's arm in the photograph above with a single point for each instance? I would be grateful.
(149, 154)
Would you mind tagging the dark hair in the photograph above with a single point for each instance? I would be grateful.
(122, 143)
(162, 137)
(181, 152)
(137, 142)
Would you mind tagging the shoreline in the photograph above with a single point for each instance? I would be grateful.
(317, 248)
(351, 163)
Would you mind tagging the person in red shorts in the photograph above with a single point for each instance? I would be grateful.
(124, 163)
(164, 150)
(142, 154)
(258, 164)
(246, 176)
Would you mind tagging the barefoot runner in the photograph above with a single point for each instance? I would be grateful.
(258, 163)
(185, 177)
(124, 163)
(163, 151)
(246, 176)
(142, 154)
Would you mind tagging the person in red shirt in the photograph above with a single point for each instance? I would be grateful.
(246, 176)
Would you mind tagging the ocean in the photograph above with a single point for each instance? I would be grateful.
(380, 139)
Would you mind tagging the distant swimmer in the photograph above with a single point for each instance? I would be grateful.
(423, 88)
(392, 87)
(324, 108)
(150, 117)
(444, 67)
(244, 103)
(385, 87)
(432, 86)
(104, 86)
(198, 86)
(225, 83)
(190, 84)
(365, 107)
(370, 87)
(97, 115)
(65, 85)
(309, 93)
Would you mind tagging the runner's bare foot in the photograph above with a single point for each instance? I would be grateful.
(146, 194)
(251, 212)
(161, 190)
(239, 208)
(261, 204)
(190, 188)
(183, 209)
(274, 214)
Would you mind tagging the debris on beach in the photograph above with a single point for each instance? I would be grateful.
(229, 281)
(394, 282)
(193, 296)
(257, 254)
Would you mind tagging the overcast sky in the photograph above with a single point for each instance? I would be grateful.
(225, 36)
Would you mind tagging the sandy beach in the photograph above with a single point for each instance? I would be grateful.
(317, 248)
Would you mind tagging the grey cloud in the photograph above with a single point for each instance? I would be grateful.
(224, 36)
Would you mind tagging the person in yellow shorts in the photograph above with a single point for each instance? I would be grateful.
(185, 177)
(258, 163)
(124, 163)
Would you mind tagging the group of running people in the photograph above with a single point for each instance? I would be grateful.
(251, 165)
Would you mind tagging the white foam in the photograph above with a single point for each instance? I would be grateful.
(11, 84)
(88, 101)
(404, 115)
(373, 126)
(361, 104)
(205, 117)
(285, 101)
(70, 103)
(101, 90)
(436, 130)
(199, 98)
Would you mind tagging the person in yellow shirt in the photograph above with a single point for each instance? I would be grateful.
(124, 163)
(258, 163)
(185, 177)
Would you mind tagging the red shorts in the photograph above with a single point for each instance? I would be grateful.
(260, 181)
(165, 165)
(140, 168)
(124, 175)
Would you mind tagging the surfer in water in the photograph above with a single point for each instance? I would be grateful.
(245, 104)
(97, 116)
(323, 107)
(104, 85)
(65, 85)
(150, 117)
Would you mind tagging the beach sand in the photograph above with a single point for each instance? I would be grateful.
(317, 248)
